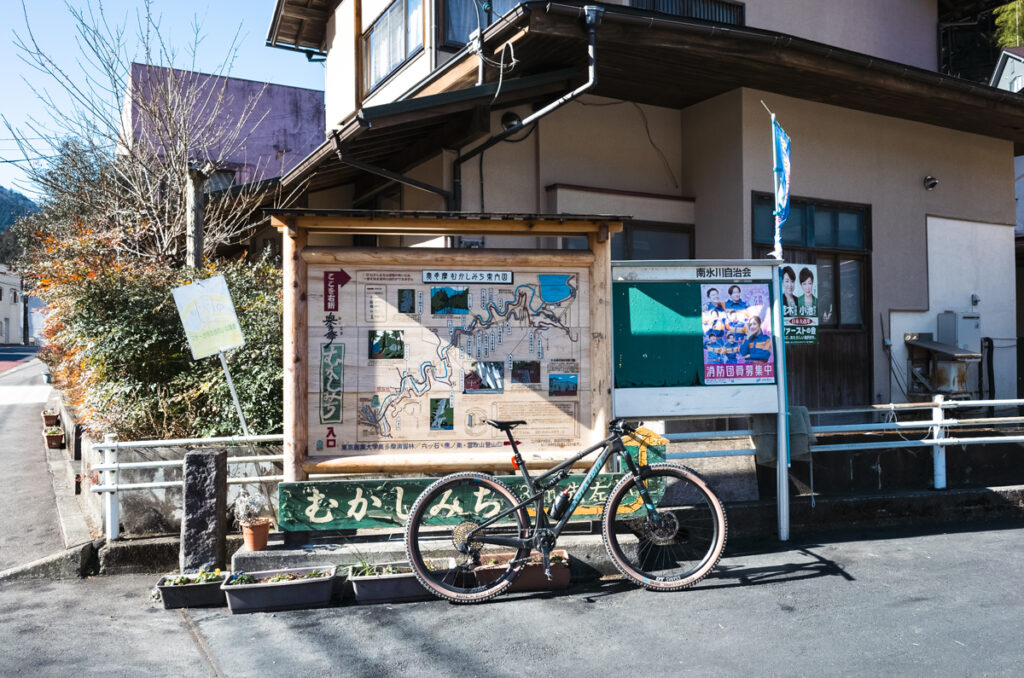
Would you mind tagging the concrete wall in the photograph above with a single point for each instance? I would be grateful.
(967, 258)
(905, 31)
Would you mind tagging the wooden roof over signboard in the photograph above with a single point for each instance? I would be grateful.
(380, 222)
(662, 61)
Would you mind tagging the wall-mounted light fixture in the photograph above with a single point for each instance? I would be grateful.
(510, 119)
(930, 182)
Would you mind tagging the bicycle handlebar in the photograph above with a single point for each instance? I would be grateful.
(621, 426)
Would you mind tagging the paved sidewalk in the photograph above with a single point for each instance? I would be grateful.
(29, 526)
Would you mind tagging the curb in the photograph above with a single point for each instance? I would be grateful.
(77, 561)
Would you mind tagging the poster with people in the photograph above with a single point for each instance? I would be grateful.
(800, 303)
(736, 325)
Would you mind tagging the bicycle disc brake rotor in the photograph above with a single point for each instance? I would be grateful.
(664, 530)
(460, 536)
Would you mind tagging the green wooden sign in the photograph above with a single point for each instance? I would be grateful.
(362, 503)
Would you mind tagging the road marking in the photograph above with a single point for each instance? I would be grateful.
(24, 395)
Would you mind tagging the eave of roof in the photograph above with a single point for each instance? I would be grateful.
(300, 25)
(662, 61)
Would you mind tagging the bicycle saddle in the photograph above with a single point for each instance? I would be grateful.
(504, 425)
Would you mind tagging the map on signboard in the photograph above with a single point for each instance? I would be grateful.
(416, 359)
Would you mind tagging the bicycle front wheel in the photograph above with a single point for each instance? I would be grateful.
(675, 542)
(446, 537)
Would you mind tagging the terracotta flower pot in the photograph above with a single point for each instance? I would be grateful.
(255, 534)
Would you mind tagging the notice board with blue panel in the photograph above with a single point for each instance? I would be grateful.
(695, 338)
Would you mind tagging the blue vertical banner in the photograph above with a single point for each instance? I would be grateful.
(780, 157)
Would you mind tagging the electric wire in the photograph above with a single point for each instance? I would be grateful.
(647, 130)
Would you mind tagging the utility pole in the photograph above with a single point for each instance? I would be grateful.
(195, 205)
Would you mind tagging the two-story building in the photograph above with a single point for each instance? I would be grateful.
(902, 177)
(12, 307)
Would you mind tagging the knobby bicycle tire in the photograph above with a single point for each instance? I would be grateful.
(440, 521)
(681, 545)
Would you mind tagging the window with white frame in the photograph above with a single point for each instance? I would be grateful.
(394, 37)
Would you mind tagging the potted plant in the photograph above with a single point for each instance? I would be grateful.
(283, 589)
(54, 436)
(192, 590)
(532, 578)
(249, 515)
(51, 417)
(390, 582)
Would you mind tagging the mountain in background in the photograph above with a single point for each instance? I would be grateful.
(12, 206)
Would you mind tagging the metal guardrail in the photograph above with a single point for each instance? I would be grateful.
(110, 486)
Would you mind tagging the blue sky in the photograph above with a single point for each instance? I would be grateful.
(54, 29)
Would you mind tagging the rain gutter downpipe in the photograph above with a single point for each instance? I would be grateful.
(592, 14)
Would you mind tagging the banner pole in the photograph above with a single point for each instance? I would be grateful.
(782, 423)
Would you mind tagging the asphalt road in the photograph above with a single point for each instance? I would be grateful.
(881, 604)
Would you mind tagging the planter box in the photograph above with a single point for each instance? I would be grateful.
(283, 595)
(51, 419)
(54, 441)
(207, 594)
(390, 588)
(532, 577)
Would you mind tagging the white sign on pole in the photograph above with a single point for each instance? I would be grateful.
(208, 316)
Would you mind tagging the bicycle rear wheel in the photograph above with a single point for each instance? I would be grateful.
(443, 531)
(673, 544)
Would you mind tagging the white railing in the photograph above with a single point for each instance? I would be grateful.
(936, 435)
(936, 429)
(110, 487)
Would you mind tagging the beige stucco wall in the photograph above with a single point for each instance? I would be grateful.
(850, 156)
(903, 30)
(594, 142)
(712, 145)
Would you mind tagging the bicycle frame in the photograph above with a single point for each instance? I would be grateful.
(612, 445)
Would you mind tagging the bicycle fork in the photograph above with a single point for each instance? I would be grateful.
(640, 473)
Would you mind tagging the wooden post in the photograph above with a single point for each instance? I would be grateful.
(601, 331)
(296, 348)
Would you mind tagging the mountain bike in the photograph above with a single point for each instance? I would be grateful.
(662, 525)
